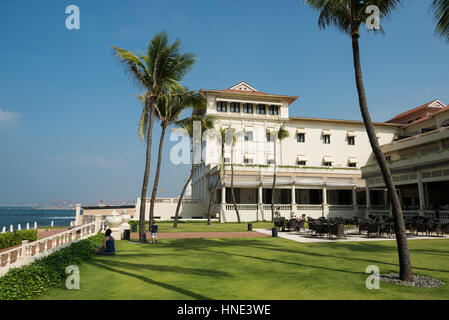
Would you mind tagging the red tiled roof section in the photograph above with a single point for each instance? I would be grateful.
(240, 91)
(421, 110)
(446, 108)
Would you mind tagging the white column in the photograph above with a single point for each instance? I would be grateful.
(260, 195)
(325, 210)
(223, 195)
(78, 213)
(293, 202)
(422, 200)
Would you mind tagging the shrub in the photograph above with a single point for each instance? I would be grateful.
(11, 239)
(39, 276)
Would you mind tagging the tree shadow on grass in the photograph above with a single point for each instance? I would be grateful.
(165, 268)
(283, 262)
(154, 282)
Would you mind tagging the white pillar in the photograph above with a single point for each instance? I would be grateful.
(325, 210)
(19, 227)
(28, 226)
(368, 201)
(52, 224)
(223, 195)
(260, 212)
(78, 213)
(293, 202)
(422, 200)
(11, 229)
(35, 224)
(3, 229)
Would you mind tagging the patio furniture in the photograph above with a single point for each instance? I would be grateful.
(420, 225)
(292, 224)
(300, 225)
(321, 227)
(434, 226)
(371, 227)
(280, 223)
(311, 223)
(337, 228)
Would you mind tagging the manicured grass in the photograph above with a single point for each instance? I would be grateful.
(255, 268)
(201, 226)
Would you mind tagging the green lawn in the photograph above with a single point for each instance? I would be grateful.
(201, 226)
(254, 268)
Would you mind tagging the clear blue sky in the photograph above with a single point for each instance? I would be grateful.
(68, 114)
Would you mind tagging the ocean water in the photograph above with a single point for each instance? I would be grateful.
(22, 215)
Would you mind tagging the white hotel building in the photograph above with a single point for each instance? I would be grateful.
(319, 164)
(325, 167)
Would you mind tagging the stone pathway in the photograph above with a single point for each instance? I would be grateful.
(351, 235)
(194, 235)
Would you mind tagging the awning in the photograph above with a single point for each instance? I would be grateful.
(301, 157)
(328, 159)
(353, 160)
(326, 132)
(300, 130)
(352, 134)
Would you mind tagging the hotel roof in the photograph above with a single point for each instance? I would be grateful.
(346, 121)
(243, 88)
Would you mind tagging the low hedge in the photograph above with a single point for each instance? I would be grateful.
(39, 276)
(11, 239)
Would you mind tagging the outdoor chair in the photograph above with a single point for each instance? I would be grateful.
(434, 226)
(292, 224)
(311, 223)
(372, 227)
(420, 225)
(279, 223)
(300, 225)
(337, 228)
(321, 227)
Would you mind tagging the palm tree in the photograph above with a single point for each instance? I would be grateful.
(170, 108)
(348, 16)
(157, 71)
(220, 170)
(207, 122)
(280, 135)
(441, 11)
(233, 142)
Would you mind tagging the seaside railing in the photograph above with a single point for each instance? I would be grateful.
(31, 251)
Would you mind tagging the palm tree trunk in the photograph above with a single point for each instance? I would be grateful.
(143, 196)
(158, 171)
(212, 199)
(274, 182)
(399, 226)
(232, 187)
(175, 222)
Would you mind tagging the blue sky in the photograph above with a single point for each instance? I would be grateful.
(68, 113)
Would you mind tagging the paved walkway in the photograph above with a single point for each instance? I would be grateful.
(351, 235)
(193, 235)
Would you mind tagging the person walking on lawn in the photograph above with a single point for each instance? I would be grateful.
(153, 230)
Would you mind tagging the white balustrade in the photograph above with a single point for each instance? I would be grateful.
(24, 254)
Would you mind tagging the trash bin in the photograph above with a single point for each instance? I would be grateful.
(134, 228)
(126, 235)
(250, 227)
(274, 232)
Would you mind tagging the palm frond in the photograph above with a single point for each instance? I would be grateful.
(441, 11)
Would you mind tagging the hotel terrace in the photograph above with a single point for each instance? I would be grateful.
(325, 167)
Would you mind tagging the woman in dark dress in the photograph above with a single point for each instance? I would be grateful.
(108, 247)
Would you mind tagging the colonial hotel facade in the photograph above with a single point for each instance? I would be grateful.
(326, 166)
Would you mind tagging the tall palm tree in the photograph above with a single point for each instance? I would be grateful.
(170, 108)
(233, 142)
(207, 122)
(220, 167)
(441, 11)
(348, 16)
(280, 135)
(157, 71)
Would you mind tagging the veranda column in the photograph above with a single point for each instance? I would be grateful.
(355, 206)
(422, 199)
(368, 202)
(325, 210)
(223, 204)
(260, 212)
(293, 200)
